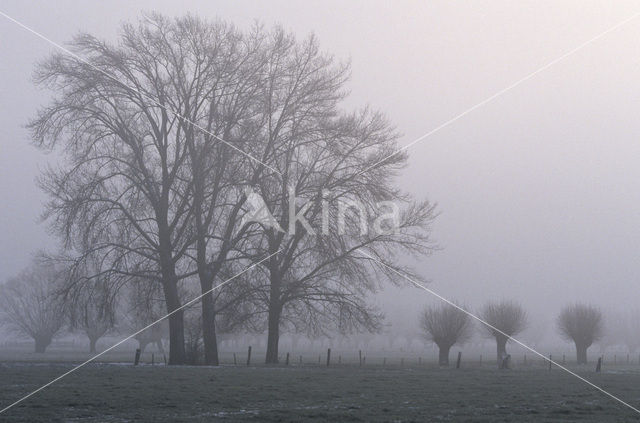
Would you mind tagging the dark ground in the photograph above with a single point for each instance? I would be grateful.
(123, 393)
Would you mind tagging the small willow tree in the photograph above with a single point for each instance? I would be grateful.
(29, 306)
(509, 318)
(582, 324)
(446, 326)
(90, 298)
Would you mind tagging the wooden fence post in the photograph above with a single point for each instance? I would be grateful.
(599, 365)
(249, 356)
(459, 359)
(287, 361)
(328, 356)
(360, 357)
(152, 359)
(137, 359)
(549, 361)
(235, 361)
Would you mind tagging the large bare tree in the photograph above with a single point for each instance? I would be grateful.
(509, 318)
(582, 324)
(161, 134)
(446, 326)
(235, 66)
(126, 123)
(29, 305)
(328, 246)
(165, 134)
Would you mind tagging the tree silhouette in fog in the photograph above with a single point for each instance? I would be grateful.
(509, 318)
(582, 324)
(446, 326)
(29, 305)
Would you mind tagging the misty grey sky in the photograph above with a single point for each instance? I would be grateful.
(539, 191)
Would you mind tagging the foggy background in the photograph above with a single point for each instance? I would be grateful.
(539, 191)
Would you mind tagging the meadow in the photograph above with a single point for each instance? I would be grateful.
(399, 391)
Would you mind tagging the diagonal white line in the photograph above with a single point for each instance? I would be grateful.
(148, 97)
(451, 303)
(134, 334)
(501, 92)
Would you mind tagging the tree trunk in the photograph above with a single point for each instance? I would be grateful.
(176, 323)
(273, 336)
(92, 345)
(206, 273)
(41, 344)
(501, 342)
(275, 310)
(170, 280)
(581, 352)
(443, 355)
(209, 328)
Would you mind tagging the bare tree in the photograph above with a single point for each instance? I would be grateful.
(216, 73)
(233, 65)
(93, 312)
(161, 133)
(90, 298)
(506, 316)
(328, 248)
(124, 192)
(29, 305)
(582, 324)
(446, 326)
(162, 196)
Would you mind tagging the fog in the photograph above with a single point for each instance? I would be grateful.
(538, 190)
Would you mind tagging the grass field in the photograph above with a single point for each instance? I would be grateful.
(123, 393)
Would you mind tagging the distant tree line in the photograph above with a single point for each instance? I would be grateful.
(446, 325)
